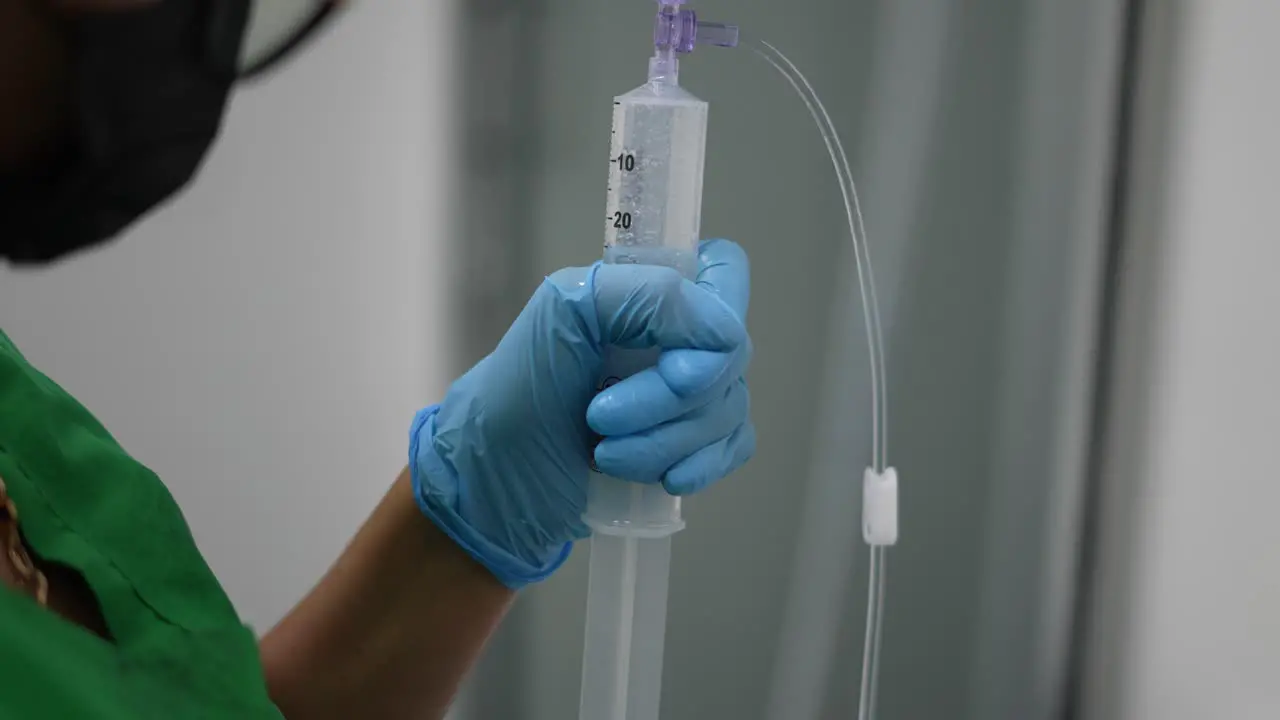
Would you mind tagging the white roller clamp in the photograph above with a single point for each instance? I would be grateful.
(880, 507)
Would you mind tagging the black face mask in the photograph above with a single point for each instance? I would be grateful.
(149, 87)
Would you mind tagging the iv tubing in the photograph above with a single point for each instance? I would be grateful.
(871, 642)
(875, 343)
(857, 233)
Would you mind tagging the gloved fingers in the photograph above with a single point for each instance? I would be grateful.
(711, 463)
(724, 269)
(693, 372)
(648, 306)
(676, 387)
(646, 456)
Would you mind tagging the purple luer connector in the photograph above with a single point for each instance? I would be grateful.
(677, 29)
(674, 28)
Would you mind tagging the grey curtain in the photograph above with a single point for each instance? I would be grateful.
(980, 136)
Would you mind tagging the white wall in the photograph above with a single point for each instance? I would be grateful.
(1189, 606)
(263, 342)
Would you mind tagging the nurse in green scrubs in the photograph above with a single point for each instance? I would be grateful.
(107, 609)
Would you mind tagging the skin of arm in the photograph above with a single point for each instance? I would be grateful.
(391, 630)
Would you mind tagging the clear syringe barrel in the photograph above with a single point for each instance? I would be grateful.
(652, 217)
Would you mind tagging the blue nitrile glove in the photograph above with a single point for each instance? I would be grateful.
(501, 465)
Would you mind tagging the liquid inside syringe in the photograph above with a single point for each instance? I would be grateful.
(654, 201)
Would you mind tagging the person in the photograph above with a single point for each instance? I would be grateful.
(107, 609)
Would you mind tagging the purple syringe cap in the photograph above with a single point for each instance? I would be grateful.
(678, 29)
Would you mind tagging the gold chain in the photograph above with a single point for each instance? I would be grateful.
(28, 573)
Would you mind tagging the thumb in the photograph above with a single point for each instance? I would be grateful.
(723, 269)
(649, 306)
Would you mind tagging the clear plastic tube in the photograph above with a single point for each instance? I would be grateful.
(871, 640)
(857, 235)
(875, 347)
(625, 631)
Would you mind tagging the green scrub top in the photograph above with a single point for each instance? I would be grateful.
(180, 650)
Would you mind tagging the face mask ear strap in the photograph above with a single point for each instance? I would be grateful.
(225, 29)
(308, 31)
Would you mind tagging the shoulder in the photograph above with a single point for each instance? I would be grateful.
(6, 345)
(87, 503)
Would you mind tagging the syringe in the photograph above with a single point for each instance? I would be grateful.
(652, 216)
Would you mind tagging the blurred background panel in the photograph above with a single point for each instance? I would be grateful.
(980, 136)
(1184, 617)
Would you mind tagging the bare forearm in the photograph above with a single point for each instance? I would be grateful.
(391, 629)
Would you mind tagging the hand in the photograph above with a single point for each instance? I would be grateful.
(501, 465)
